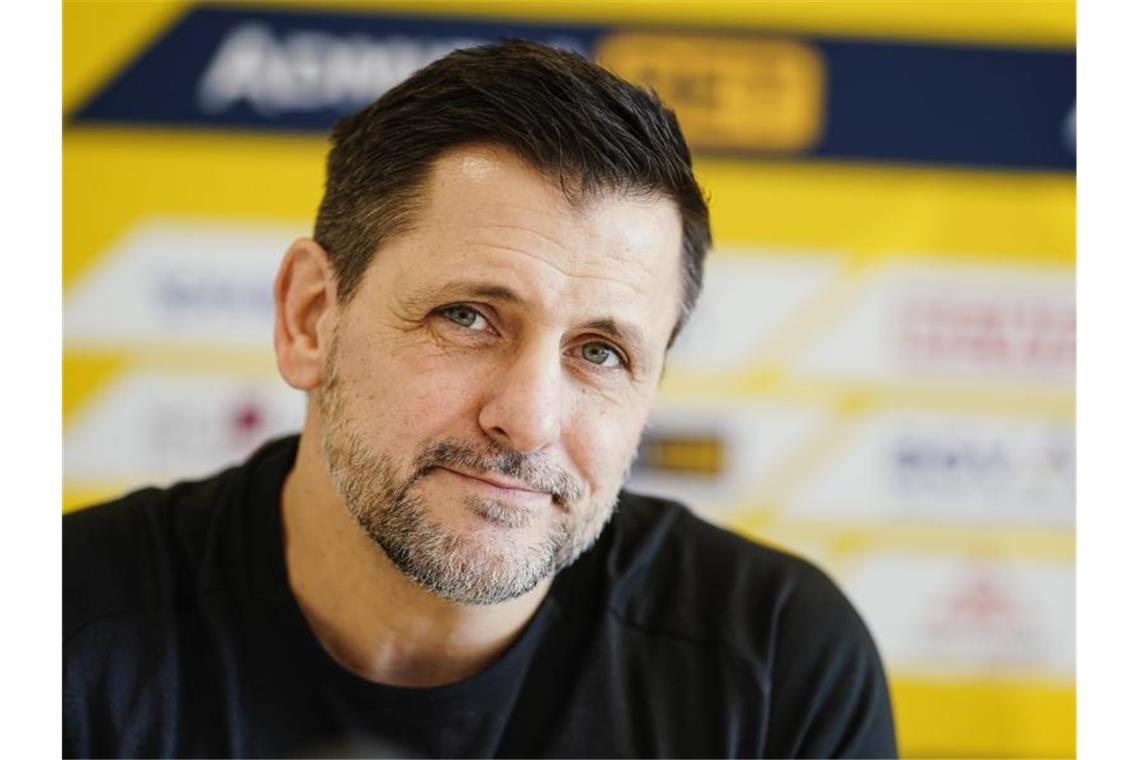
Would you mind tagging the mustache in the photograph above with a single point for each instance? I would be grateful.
(534, 470)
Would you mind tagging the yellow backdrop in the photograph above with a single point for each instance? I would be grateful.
(858, 227)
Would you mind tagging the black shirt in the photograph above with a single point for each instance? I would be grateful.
(669, 638)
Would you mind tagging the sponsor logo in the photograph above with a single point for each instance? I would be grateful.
(696, 455)
(1038, 472)
(168, 426)
(945, 468)
(178, 434)
(186, 282)
(982, 618)
(729, 93)
(978, 604)
(948, 323)
(310, 70)
(968, 616)
(1026, 334)
(713, 457)
(183, 292)
(1069, 129)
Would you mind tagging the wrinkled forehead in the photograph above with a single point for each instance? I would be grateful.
(491, 167)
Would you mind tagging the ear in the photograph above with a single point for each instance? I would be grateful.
(304, 295)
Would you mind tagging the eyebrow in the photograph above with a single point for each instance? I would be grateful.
(624, 332)
(461, 289)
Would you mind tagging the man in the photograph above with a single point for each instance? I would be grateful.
(443, 563)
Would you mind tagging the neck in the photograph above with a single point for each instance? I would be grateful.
(367, 614)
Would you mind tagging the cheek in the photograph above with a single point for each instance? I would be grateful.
(411, 396)
(601, 444)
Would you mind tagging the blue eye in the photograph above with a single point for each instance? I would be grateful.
(461, 315)
(601, 354)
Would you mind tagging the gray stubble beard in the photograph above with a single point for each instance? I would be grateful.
(457, 567)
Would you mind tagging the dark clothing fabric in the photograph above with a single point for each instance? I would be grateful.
(669, 638)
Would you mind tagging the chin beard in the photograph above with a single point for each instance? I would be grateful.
(454, 565)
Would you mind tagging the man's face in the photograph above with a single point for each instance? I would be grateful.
(488, 383)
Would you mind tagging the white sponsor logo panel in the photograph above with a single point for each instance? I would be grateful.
(154, 427)
(952, 468)
(937, 323)
(743, 302)
(180, 282)
(752, 438)
(968, 616)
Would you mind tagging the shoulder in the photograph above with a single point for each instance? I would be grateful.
(675, 575)
(680, 575)
(144, 577)
(139, 551)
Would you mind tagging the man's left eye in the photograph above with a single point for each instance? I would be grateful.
(464, 316)
(601, 354)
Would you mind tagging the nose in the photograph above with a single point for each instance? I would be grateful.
(523, 408)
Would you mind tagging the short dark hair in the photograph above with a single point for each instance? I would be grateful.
(570, 119)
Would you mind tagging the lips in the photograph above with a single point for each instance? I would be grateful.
(509, 488)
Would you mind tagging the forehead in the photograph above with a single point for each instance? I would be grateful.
(489, 216)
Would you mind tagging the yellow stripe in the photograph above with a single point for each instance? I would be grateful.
(84, 375)
(875, 212)
(101, 38)
(857, 541)
(1046, 23)
(881, 211)
(112, 179)
(985, 719)
(728, 389)
(76, 498)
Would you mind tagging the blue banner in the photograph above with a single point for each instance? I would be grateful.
(270, 69)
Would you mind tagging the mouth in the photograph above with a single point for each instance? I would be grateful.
(500, 488)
